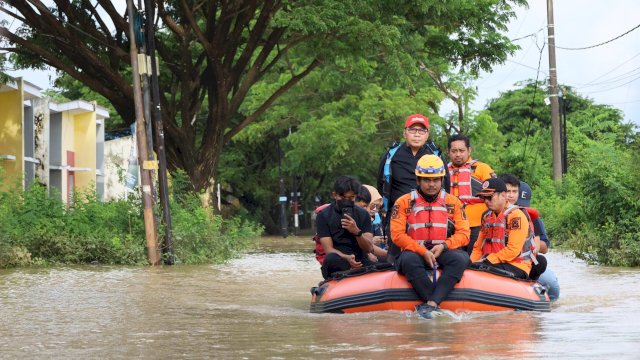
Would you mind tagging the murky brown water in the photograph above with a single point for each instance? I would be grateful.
(256, 307)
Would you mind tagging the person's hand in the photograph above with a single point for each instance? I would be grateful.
(349, 224)
(352, 262)
(437, 250)
(372, 257)
(377, 240)
(429, 258)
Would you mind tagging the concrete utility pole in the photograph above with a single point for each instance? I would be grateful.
(553, 96)
(145, 175)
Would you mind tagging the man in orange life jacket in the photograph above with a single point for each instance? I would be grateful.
(506, 240)
(430, 226)
(467, 176)
(519, 193)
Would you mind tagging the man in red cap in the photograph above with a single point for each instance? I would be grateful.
(396, 173)
(506, 240)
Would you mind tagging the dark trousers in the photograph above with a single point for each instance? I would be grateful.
(516, 271)
(475, 232)
(413, 266)
(333, 263)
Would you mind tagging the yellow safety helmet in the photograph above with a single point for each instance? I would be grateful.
(430, 166)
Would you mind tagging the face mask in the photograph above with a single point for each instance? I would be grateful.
(344, 203)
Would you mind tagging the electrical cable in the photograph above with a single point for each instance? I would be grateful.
(600, 44)
(533, 99)
(614, 69)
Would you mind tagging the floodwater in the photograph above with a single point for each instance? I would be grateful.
(256, 307)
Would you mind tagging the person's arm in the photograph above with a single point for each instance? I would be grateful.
(541, 232)
(327, 244)
(460, 237)
(518, 227)
(476, 253)
(378, 251)
(324, 233)
(360, 224)
(380, 181)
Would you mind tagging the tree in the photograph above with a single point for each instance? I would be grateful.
(212, 53)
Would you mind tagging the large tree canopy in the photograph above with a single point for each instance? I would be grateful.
(212, 53)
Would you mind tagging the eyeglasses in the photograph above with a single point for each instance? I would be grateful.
(373, 207)
(417, 131)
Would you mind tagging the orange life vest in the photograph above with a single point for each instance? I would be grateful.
(428, 221)
(496, 236)
(462, 179)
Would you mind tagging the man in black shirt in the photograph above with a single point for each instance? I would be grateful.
(396, 173)
(344, 229)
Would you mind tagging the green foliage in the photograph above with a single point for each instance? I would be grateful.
(595, 211)
(36, 228)
(201, 237)
(226, 64)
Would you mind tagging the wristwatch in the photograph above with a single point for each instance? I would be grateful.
(359, 233)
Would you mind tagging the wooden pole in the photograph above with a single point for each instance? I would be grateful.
(141, 136)
(169, 255)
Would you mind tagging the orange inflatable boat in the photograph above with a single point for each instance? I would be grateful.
(378, 288)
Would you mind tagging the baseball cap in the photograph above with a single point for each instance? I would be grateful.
(524, 199)
(416, 119)
(492, 186)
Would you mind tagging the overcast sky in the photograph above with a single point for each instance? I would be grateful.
(609, 74)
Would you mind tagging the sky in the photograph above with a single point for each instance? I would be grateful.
(609, 74)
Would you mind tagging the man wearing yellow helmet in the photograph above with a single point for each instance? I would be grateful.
(432, 230)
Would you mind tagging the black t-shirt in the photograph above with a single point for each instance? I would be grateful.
(328, 225)
(403, 175)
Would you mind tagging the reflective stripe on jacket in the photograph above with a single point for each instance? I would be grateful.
(496, 236)
(428, 221)
(466, 184)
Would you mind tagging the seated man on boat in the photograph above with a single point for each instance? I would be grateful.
(344, 229)
(506, 240)
(519, 193)
(431, 229)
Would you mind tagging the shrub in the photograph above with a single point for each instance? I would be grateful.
(37, 228)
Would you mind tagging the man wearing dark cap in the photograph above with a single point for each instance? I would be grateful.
(548, 278)
(396, 173)
(524, 198)
(502, 222)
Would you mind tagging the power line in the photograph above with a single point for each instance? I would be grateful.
(624, 76)
(533, 34)
(600, 44)
(611, 88)
(533, 99)
(612, 70)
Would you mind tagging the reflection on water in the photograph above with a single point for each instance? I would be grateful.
(256, 307)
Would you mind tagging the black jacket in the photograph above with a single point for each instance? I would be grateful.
(403, 166)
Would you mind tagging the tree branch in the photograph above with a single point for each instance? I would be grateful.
(202, 38)
(251, 118)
